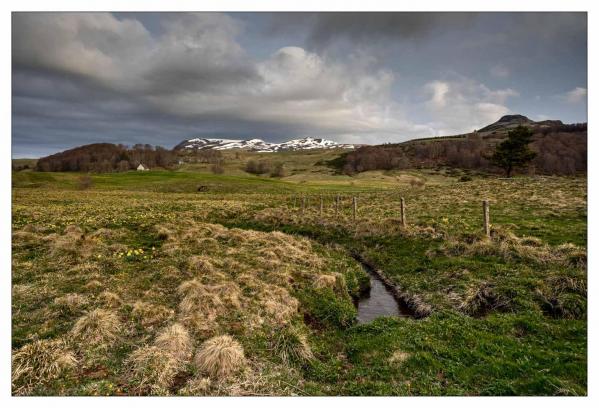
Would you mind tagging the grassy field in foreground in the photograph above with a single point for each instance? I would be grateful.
(142, 285)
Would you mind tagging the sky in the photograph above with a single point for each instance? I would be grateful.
(161, 78)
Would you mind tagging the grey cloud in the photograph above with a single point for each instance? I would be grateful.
(88, 77)
(325, 28)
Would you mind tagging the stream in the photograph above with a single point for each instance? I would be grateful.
(379, 301)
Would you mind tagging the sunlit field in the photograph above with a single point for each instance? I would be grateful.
(143, 285)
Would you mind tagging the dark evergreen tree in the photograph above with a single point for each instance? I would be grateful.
(514, 151)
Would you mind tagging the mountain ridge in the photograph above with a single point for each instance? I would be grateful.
(508, 122)
(259, 145)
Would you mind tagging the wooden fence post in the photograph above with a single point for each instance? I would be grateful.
(403, 212)
(303, 208)
(486, 218)
(337, 205)
(355, 207)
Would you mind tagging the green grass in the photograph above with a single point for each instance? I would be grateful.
(517, 349)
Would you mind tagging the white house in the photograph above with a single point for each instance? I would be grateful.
(142, 168)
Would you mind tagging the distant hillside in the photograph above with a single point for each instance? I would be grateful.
(106, 157)
(508, 122)
(561, 149)
(259, 145)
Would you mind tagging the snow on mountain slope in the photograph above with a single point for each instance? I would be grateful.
(259, 145)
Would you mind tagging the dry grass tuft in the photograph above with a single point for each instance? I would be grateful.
(325, 281)
(203, 304)
(176, 341)
(563, 297)
(73, 243)
(71, 302)
(278, 304)
(149, 314)
(505, 244)
(93, 285)
(482, 299)
(196, 386)
(398, 357)
(110, 299)
(171, 272)
(165, 233)
(39, 362)
(201, 265)
(98, 328)
(335, 281)
(153, 370)
(220, 356)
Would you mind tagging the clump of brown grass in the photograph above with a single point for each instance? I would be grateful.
(110, 299)
(171, 272)
(573, 255)
(335, 281)
(24, 238)
(202, 304)
(220, 356)
(149, 314)
(176, 341)
(196, 386)
(398, 357)
(73, 243)
(563, 297)
(165, 232)
(107, 234)
(505, 244)
(71, 302)
(201, 265)
(325, 281)
(153, 370)
(39, 362)
(98, 328)
(93, 285)
(482, 299)
(278, 304)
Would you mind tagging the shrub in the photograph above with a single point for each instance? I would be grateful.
(255, 167)
(278, 171)
(217, 168)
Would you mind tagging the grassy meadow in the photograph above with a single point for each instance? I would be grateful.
(142, 285)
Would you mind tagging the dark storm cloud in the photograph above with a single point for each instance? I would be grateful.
(325, 28)
(354, 77)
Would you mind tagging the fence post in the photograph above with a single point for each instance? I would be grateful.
(486, 218)
(355, 207)
(303, 204)
(337, 205)
(403, 212)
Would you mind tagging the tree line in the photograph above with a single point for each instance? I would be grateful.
(107, 157)
(555, 153)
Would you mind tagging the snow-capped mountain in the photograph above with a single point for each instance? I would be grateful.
(259, 145)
